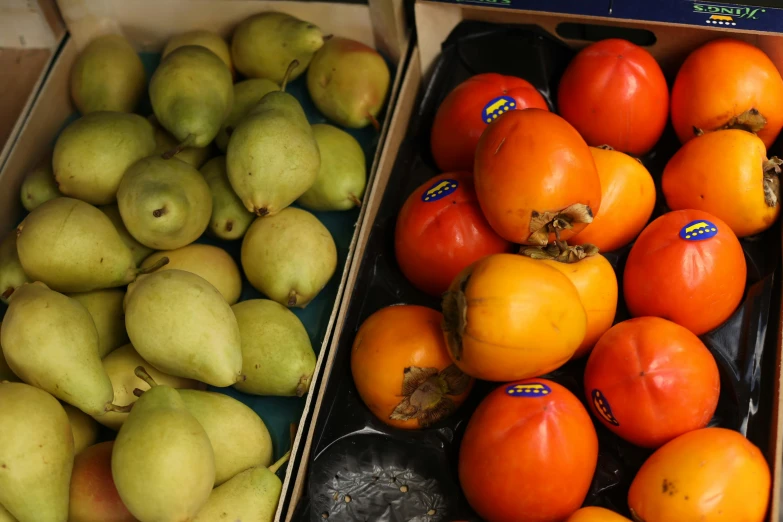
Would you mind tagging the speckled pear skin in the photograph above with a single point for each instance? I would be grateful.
(247, 94)
(230, 219)
(250, 496)
(12, 274)
(39, 186)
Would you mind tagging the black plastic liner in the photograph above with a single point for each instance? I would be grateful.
(361, 469)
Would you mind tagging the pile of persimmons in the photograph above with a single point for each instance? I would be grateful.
(510, 236)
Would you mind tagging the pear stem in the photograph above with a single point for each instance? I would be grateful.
(160, 263)
(274, 467)
(118, 409)
(142, 374)
(374, 122)
(291, 66)
(8, 292)
(292, 298)
(138, 392)
(184, 144)
(356, 201)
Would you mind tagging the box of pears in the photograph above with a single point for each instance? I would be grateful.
(178, 216)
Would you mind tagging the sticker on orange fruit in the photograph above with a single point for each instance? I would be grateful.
(707, 475)
(596, 514)
(533, 389)
(529, 458)
(402, 370)
(649, 380)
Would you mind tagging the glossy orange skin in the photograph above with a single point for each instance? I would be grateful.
(722, 173)
(435, 240)
(596, 514)
(627, 201)
(614, 93)
(596, 283)
(523, 317)
(722, 79)
(533, 160)
(696, 284)
(707, 475)
(390, 340)
(656, 378)
(461, 117)
(528, 458)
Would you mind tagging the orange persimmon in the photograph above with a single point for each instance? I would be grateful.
(727, 174)
(402, 369)
(596, 514)
(707, 475)
(534, 175)
(509, 317)
(627, 201)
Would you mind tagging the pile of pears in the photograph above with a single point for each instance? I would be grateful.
(117, 320)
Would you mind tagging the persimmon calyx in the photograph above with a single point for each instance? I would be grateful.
(455, 315)
(772, 181)
(751, 121)
(560, 251)
(424, 392)
(544, 223)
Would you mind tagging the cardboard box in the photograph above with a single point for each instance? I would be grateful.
(672, 41)
(148, 24)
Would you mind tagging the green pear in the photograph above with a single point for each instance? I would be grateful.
(182, 325)
(83, 427)
(230, 218)
(193, 156)
(191, 93)
(272, 156)
(73, 247)
(5, 516)
(162, 462)
(277, 357)
(49, 340)
(92, 154)
(289, 256)
(120, 366)
(239, 437)
(165, 204)
(107, 76)
(36, 454)
(343, 175)
(12, 274)
(105, 307)
(210, 262)
(247, 94)
(264, 44)
(39, 186)
(5, 371)
(250, 496)
(138, 251)
(212, 41)
(348, 82)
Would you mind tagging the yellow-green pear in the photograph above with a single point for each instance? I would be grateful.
(264, 44)
(277, 357)
(289, 257)
(49, 340)
(239, 437)
(247, 94)
(162, 462)
(192, 93)
(165, 204)
(39, 186)
(272, 157)
(5, 516)
(107, 76)
(120, 366)
(73, 247)
(92, 154)
(183, 326)
(212, 41)
(138, 251)
(343, 175)
(5, 371)
(250, 496)
(210, 262)
(12, 274)
(348, 82)
(84, 428)
(194, 156)
(230, 218)
(36, 454)
(105, 307)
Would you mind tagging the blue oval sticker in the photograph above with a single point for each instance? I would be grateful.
(440, 189)
(533, 389)
(698, 230)
(602, 407)
(496, 107)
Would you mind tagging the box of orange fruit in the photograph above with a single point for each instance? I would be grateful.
(565, 304)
